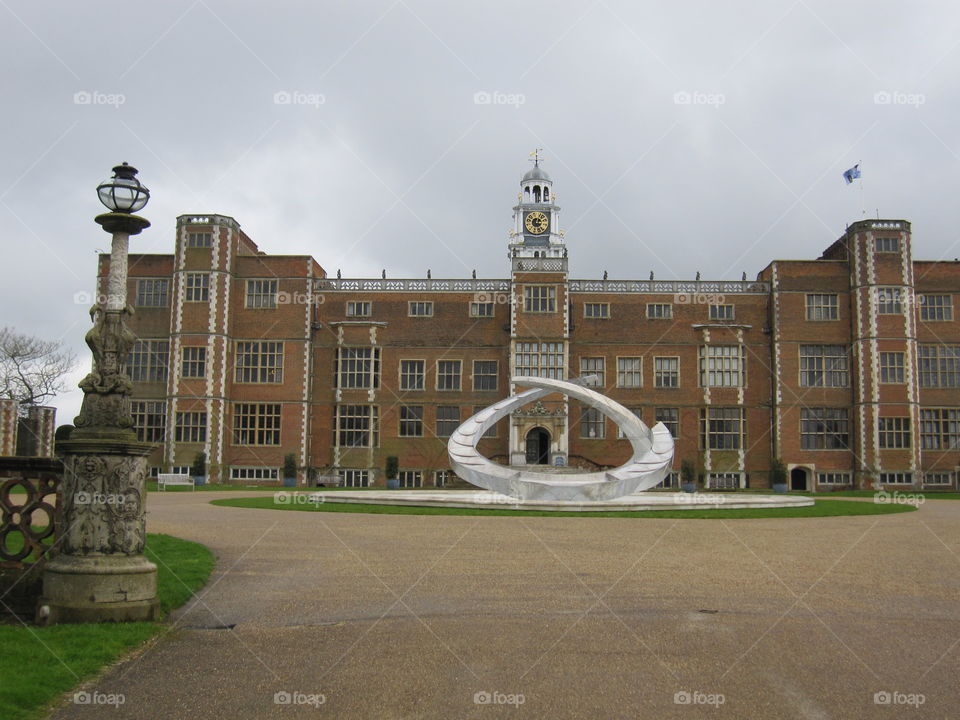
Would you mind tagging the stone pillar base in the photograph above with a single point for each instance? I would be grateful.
(105, 588)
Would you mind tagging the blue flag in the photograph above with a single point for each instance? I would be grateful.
(852, 174)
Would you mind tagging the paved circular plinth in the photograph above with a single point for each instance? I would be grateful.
(485, 499)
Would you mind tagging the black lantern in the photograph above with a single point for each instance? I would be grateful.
(123, 193)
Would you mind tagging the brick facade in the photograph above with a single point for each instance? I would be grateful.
(846, 367)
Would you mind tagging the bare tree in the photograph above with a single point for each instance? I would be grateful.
(32, 370)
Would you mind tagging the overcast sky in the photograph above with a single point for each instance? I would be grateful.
(681, 137)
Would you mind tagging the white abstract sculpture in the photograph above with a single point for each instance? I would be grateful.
(651, 461)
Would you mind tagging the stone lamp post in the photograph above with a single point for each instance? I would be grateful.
(99, 572)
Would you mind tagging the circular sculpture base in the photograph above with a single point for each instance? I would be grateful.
(628, 503)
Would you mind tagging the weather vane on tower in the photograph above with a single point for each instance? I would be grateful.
(535, 154)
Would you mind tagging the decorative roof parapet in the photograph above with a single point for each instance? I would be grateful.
(410, 285)
(675, 287)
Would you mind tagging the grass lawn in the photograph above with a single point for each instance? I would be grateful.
(38, 665)
(927, 494)
(821, 508)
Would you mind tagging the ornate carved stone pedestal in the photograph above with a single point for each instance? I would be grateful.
(99, 573)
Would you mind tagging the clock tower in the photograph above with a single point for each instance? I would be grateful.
(536, 233)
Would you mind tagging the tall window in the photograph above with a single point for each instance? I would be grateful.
(261, 293)
(448, 374)
(824, 366)
(666, 372)
(939, 366)
(540, 298)
(197, 287)
(448, 420)
(410, 478)
(671, 418)
(411, 374)
(940, 429)
(659, 311)
(193, 362)
(594, 366)
(190, 427)
(152, 292)
(149, 420)
(721, 312)
(824, 429)
(888, 301)
(592, 424)
(721, 366)
(822, 307)
(540, 359)
(485, 374)
(148, 361)
(199, 239)
(259, 361)
(411, 421)
(895, 432)
(256, 423)
(596, 310)
(936, 307)
(629, 372)
(721, 428)
(357, 426)
(420, 309)
(355, 478)
(358, 368)
(891, 367)
(358, 309)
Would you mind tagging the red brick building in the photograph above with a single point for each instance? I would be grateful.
(846, 367)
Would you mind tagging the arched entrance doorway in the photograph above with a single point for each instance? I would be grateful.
(538, 447)
(798, 478)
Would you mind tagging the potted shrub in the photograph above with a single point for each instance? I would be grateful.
(778, 475)
(199, 469)
(392, 469)
(289, 470)
(688, 476)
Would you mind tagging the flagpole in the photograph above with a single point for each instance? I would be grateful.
(863, 206)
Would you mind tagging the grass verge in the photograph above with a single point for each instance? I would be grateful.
(39, 664)
(821, 508)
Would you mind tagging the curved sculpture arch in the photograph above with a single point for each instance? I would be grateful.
(649, 465)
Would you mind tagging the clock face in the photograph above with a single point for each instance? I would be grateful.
(536, 223)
